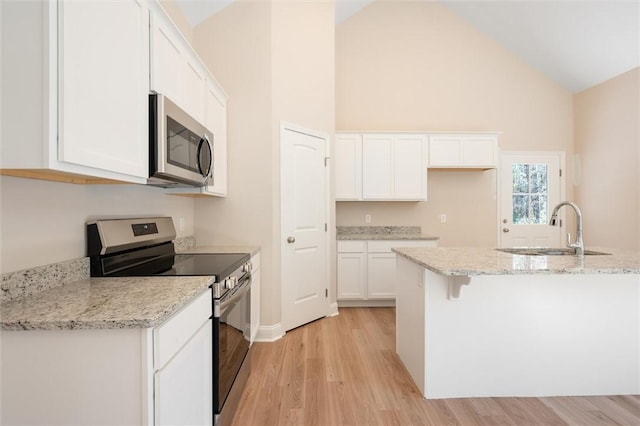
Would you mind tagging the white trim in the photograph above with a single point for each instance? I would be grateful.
(371, 303)
(333, 310)
(269, 333)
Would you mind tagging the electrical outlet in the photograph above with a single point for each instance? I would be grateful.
(367, 218)
(443, 218)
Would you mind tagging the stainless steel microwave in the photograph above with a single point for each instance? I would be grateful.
(180, 148)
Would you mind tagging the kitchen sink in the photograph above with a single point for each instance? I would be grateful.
(546, 251)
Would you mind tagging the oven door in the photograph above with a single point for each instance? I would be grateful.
(231, 338)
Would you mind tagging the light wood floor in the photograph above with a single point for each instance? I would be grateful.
(344, 371)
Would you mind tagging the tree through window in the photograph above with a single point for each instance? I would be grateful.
(530, 194)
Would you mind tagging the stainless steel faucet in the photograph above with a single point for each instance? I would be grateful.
(579, 244)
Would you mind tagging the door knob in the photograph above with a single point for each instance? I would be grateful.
(291, 240)
(505, 230)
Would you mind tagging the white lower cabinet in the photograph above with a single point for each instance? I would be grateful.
(352, 270)
(367, 271)
(381, 275)
(182, 365)
(183, 387)
(152, 376)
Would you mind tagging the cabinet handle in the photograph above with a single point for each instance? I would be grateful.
(291, 240)
(505, 230)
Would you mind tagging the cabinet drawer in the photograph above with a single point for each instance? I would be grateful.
(351, 246)
(385, 246)
(177, 330)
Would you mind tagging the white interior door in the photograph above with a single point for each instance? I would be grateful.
(531, 185)
(304, 205)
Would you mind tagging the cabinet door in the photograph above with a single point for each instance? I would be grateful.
(216, 121)
(377, 167)
(166, 59)
(348, 167)
(103, 53)
(444, 151)
(410, 167)
(381, 274)
(466, 151)
(480, 151)
(195, 88)
(351, 275)
(183, 387)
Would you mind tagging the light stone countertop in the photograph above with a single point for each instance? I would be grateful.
(62, 296)
(385, 237)
(103, 303)
(488, 261)
(382, 233)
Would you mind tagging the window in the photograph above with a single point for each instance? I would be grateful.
(530, 194)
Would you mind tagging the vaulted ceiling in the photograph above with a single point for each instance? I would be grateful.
(578, 44)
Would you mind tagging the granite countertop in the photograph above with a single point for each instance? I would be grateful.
(63, 296)
(99, 303)
(346, 233)
(488, 261)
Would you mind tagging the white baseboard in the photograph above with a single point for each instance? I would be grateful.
(333, 310)
(387, 303)
(270, 333)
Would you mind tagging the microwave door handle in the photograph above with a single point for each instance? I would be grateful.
(205, 175)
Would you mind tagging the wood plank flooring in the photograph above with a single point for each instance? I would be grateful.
(344, 371)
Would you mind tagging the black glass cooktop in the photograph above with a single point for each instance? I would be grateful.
(220, 265)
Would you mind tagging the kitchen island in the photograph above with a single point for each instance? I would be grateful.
(477, 322)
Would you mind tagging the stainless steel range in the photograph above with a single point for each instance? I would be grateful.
(144, 247)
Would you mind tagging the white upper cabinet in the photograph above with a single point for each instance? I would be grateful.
(381, 166)
(216, 121)
(463, 151)
(74, 90)
(377, 166)
(178, 73)
(348, 166)
(166, 55)
(410, 167)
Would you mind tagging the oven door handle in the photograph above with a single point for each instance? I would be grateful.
(221, 307)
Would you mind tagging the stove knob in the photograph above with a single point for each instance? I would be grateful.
(247, 267)
(230, 283)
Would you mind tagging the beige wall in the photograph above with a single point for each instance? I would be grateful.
(607, 131)
(416, 66)
(236, 46)
(261, 55)
(43, 222)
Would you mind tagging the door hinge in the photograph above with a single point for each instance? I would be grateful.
(326, 159)
(326, 292)
(560, 172)
(325, 227)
